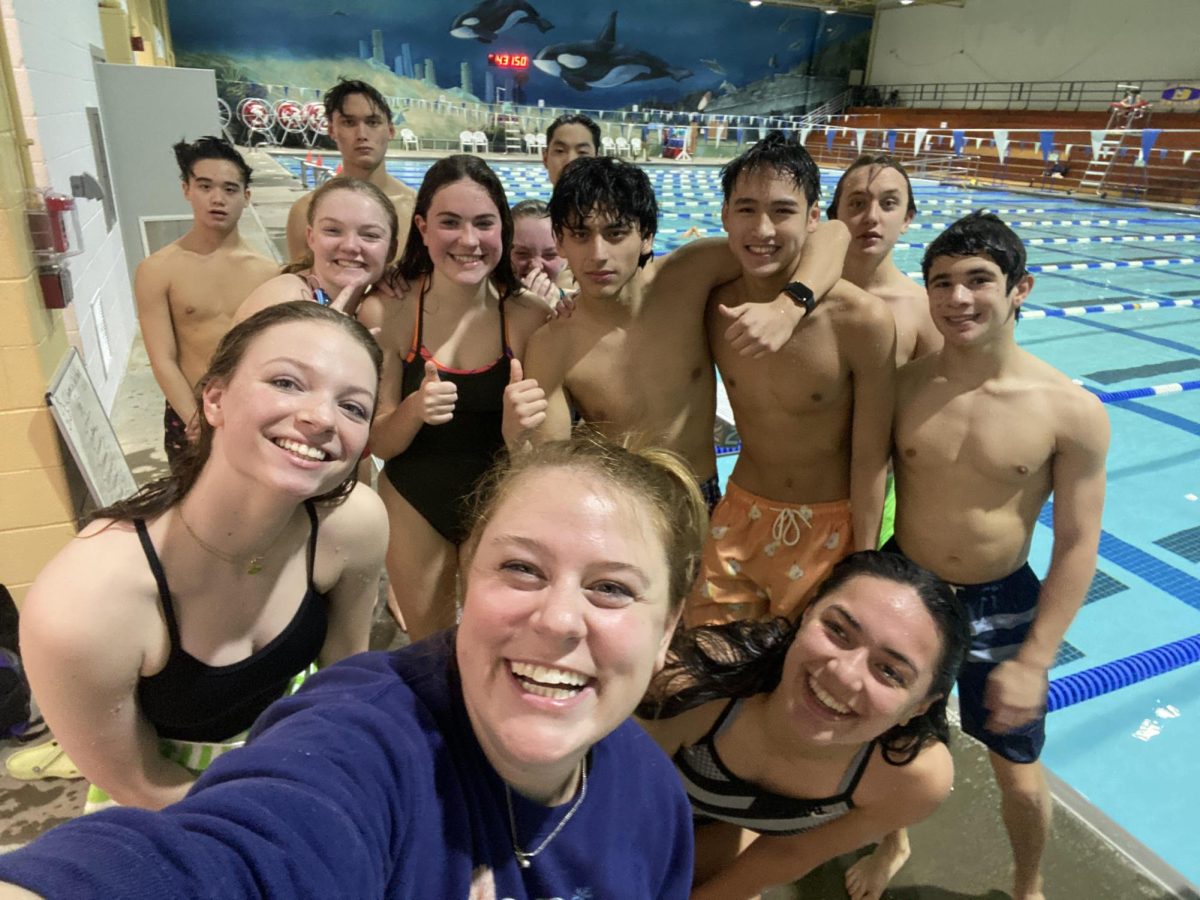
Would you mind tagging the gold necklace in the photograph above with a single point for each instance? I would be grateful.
(254, 564)
(525, 857)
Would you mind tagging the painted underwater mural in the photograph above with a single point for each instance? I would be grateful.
(673, 54)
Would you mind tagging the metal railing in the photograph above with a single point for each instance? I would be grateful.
(1044, 95)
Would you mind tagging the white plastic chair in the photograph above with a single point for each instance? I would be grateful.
(481, 142)
(531, 143)
(408, 140)
(622, 147)
(635, 147)
(466, 141)
(607, 146)
(541, 142)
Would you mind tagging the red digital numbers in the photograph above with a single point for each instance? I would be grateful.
(509, 60)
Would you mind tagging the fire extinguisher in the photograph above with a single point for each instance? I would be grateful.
(59, 206)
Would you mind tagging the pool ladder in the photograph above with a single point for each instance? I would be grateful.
(1120, 122)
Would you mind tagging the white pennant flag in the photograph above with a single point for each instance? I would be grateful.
(1066, 154)
(1001, 137)
(859, 134)
(1187, 154)
(804, 132)
(919, 140)
(1097, 140)
(978, 142)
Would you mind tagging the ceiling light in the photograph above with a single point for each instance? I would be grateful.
(830, 12)
(906, 2)
(755, 2)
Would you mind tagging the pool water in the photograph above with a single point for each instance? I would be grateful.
(1132, 753)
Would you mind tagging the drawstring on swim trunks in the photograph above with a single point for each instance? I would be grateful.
(786, 529)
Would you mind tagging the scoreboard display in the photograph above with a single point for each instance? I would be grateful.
(509, 60)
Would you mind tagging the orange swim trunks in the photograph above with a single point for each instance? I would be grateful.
(764, 558)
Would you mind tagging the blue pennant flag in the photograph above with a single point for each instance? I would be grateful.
(891, 140)
(1047, 141)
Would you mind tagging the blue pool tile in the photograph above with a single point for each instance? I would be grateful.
(1185, 543)
(1103, 585)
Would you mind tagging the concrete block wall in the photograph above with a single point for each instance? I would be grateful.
(36, 510)
(51, 44)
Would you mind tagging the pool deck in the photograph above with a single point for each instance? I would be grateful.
(959, 853)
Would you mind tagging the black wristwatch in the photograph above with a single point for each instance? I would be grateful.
(802, 296)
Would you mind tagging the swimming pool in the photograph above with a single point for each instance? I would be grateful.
(1131, 753)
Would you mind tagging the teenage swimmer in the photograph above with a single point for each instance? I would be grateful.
(535, 257)
(633, 359)
(799, 742)
(984, 433)
(452, 342)
(188, 291)
(360, 124)
(498, 761)
(350, 238)
(874, 198)
(179, 615)
(814, 417)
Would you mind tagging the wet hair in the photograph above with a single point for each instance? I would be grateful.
(158, 496)
(784, 156)
(604, 185)
(530, 209)
(883, 161)
(741, 659)
(358, 186)
(208, 147)
(575, 119)
(416, 261)
(660, 480)
(335, 97)
(980, 234)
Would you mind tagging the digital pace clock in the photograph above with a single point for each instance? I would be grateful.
(509, 60)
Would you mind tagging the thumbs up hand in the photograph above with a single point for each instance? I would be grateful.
(437, 397)
(524, 405)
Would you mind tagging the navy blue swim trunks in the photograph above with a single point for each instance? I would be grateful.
(1001, 613)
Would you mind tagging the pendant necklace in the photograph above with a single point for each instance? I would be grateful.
(253, 565)
(525, 857)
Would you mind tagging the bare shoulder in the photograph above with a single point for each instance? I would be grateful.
(915, 789)
(358, 525)
(273, 291)
(684, 729)
(299, 210)
(701, 264)
(855, 308)
(911, 376)
(99, 584)
(526, 310)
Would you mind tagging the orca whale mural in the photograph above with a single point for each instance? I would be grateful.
(603, 63)
(488, 19)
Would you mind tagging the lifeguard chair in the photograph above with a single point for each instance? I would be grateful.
(1128, 115)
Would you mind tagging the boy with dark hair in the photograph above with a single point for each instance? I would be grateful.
(985, 432)
(814, 418)
(874, 198)
(188, 291)
(569, 137)
(633, 360)
(360, 124)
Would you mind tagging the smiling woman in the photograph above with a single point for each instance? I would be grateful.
(498, 761)
(452, 342)
(351, 235)
(157, 636)
(797, 743)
